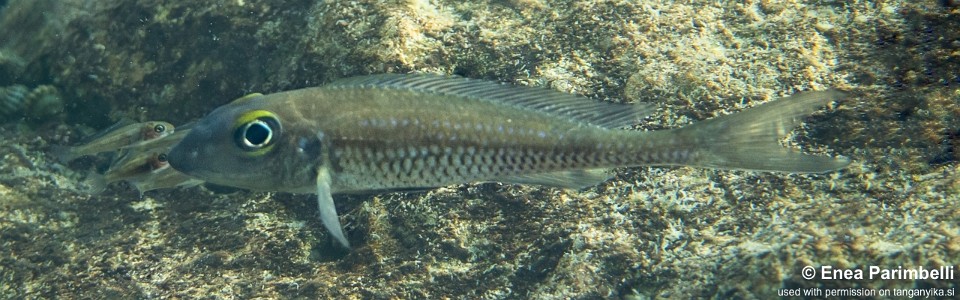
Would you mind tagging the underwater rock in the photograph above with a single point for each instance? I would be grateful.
(11, 65)
(648, 233)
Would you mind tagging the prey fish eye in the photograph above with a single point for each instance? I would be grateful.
(160, 128)
(255, 134)
(159, 161)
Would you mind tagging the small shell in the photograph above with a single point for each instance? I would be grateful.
(17, 101)
(43, 102)
(12, 100)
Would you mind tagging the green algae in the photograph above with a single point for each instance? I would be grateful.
(648, 233)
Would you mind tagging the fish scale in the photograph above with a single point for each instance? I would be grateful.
(385, 132)
(493, 151)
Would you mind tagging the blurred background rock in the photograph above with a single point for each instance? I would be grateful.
(649, 233)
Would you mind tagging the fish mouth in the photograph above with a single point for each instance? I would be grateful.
(181, 158)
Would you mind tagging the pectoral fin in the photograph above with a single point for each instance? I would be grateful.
(328, 211)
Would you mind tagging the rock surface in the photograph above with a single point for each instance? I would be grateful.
(648, 233)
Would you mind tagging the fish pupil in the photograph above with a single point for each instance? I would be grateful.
(257, 134)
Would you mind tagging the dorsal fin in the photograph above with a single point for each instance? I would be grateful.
(247, 97)
(104, 132)
(604, 114)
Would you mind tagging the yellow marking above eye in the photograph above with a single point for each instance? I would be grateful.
(249, 116)
(243, 123)
(247, 97)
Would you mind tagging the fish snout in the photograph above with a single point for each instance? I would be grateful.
(182, 158)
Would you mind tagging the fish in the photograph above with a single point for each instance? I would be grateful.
(394, 132)
(128, 166)
(161, 143)
(143, 164)
(161, 179)
(115, 137)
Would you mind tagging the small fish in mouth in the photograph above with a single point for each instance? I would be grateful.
(162, 179)
(140, 156)
(120, 135)
(387, 132)
(129, 166)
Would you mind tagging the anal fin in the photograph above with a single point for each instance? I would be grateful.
(573, 179)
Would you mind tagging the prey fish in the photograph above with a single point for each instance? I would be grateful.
(114, 138)
(388, 132)
(161, 179)
(142, 164)
(160, 175)
(130, 166)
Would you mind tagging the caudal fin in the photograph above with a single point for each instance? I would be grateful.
(95, 183)
(749, 140)
(64, 154)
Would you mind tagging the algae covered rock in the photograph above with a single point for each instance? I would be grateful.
(647, 233)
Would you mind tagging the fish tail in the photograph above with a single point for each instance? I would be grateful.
(95, 183)
(140, 186)
(749, 140)
(64, 154)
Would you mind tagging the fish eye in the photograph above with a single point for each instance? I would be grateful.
(159, 128)
(257, 134)
(159, 162)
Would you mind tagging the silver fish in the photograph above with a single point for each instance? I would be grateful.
(162, 178)
(117, 136)
(392, 131)
(140, 163)
(129, 166)
(160, 175)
